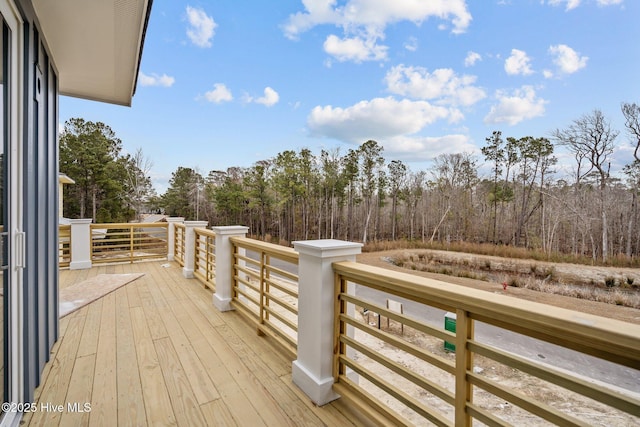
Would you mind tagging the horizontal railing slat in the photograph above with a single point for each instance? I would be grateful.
(428, 413)
(586, 388)
(406, 346)
(268, 278)
(609, 339)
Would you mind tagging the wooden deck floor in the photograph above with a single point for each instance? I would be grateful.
(156, 352)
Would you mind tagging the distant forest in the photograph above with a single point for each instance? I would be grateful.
(361, 196)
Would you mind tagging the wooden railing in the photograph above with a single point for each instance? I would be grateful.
(265, 288)
(64, 245)
(128, 242)
(205, 257)
(179, 243)
(402, 364)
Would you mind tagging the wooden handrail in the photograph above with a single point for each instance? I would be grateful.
(281, 252)
(128, 242)
(605, 338)
(265, 293)
(205, 257)
(179, 243)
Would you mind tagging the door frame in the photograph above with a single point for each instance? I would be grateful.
(14, 367)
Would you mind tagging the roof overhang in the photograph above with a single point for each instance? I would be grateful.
(96, 45)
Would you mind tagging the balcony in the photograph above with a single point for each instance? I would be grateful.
(155, 351)
(179, 345)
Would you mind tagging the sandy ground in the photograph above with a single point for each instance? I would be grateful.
(626, 314)
(591, 412)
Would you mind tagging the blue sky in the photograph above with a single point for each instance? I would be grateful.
(230, 82)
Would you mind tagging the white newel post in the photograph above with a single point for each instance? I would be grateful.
(80, 244)
(171, 236)
(190, 246)
(224, 264)
(312, 371)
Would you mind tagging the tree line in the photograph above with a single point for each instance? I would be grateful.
(109, 186)
(360, 196)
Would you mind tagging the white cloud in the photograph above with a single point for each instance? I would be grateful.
(443, 85)
(354, 49)
(416, 148)
(201, 27)
(609, 2)
(219, 94)
(379, 118)
(364, 21)
(513, 108)
(572, 4)
(518, 63)
(472, 58)
(411, 44)
(568, 60)
(155, 80)
(270, 97)
(377, 14)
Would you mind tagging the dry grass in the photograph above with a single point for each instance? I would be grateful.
(616, 296)
(504, 251)
(621, 291)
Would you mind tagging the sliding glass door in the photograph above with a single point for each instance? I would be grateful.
(4, 205)
(11, 237)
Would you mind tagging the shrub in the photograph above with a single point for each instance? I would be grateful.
(610, 282)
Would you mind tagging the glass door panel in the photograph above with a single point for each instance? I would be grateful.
(4, 226)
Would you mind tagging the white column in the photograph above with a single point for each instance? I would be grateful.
(224, 264)
(190, 246)
(312, 371)
(171, 236)
(80, 244)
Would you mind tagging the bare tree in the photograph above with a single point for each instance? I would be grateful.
(138, 181)
(591, 137)
(397, 177)
(631, 114)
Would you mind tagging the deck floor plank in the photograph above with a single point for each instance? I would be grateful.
(105, 388)
(184, 403)
(202, 385)
(89, 339)
(157, 352)
(152, 308)
(54, 389)
(218, 414)
(131, 410)
(74, 411)
(156, 396)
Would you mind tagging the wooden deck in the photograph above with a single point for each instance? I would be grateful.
(156, 352)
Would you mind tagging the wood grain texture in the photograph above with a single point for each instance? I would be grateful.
(156, 352)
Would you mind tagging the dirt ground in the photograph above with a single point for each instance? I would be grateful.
(589, 411)
(626, 314)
